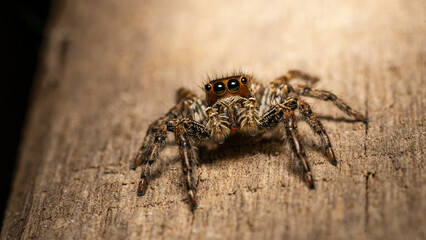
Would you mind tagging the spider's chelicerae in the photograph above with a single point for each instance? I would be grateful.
(236, 104)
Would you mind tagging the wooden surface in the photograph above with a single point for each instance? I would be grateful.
(112, 67)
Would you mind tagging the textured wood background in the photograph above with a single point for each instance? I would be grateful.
(112, 67)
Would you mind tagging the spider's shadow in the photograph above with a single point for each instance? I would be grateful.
(238, 146)
(235, 147)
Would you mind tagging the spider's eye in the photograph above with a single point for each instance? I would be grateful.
(208, 87)
(233, 85)
(244, 80)
(219, 88)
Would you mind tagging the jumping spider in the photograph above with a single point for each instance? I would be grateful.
(236, 104)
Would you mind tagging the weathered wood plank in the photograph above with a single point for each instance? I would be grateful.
(111, 68)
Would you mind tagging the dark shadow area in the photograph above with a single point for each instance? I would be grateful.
(23, 23)
(238, 146)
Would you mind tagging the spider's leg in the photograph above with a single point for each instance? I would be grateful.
(292, 74)
(279, 89)
(185, 94)
(297, 144)
(153, 144)
(186, 129)
(256, 89)
(195, 107)
(282, 112)
(188, 105)
(327, 96)
(312, 119)
(150, 156)
(154, 141)
(188, 162)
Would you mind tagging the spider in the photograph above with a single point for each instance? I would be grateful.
(236, 104)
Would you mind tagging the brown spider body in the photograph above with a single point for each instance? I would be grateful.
(236, 104)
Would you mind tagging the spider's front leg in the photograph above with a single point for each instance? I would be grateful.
(154, 143)
(186, 130)
(284, 113)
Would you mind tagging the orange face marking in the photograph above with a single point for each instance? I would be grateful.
(226, 87)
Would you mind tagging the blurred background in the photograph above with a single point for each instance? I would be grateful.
(23, 23)
(109, 68)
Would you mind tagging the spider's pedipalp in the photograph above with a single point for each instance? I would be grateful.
(217, 123)
(249, 117)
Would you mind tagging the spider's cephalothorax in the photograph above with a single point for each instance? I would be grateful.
(226, 87)
(231, 106)
(236, 104)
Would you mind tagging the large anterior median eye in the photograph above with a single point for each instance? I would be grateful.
(219, 88)
(233, 85)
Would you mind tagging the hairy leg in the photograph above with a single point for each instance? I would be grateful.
(297, 145)
(188, 106)
(188, 162)
(293, 74)
(303, 90)
(284, 113)
(155, 136)
(278, 89)
(256, 89)
(154, 140)
(313, 121)
(194, 106)
(186, 129)
(184, 94)
(148, 154)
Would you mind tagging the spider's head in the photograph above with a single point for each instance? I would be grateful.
(226, 87)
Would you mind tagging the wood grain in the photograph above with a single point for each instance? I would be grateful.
(111, 67)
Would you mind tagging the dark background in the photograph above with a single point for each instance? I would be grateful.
(22, 24)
